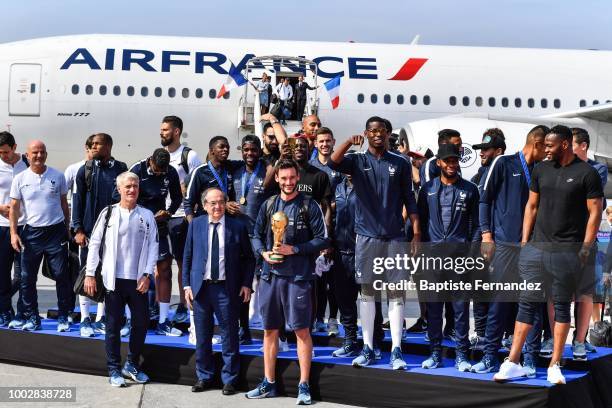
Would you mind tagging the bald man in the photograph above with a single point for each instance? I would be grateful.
(40, 193)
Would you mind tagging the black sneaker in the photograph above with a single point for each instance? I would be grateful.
(419, 327)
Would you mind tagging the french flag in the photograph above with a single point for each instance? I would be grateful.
(234, 80)
(333, 89)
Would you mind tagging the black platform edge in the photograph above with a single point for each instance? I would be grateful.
(329, 382)
(407, 347)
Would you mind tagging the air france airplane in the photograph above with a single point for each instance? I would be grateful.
(62, 89)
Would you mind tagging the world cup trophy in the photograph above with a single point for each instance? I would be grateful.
(279, 226)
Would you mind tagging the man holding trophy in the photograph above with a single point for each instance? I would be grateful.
(289, 234)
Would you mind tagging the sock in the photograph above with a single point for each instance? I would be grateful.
(396, 320)
(367, 309)
(84, 306)
(163, 311)
(128, 314)
(100, 314)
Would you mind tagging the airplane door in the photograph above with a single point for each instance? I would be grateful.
(24, 90)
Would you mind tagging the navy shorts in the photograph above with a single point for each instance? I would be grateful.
(283, 300)
(369, 250)
(164, 248)
(178, 234)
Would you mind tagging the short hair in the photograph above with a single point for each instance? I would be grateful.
(388, 125)
(251, 139)
(494, 132)
(266, 126)
(205, 193)
(161, 158)
(608, 210)
(375, 119)
(324, 131)
(89, 141)
(105, 136)
(537, 132)
(216, 139)
(445, 135)
(125, 176)
(175, 121)
(7, 139)
(562, 131)
(581, 136)
(286, 164)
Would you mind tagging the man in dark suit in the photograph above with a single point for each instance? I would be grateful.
(299, 97)
(218, 266)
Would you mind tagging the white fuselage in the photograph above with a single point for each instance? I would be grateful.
(39, 79)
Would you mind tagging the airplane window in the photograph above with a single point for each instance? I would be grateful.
(185, 92)
(517, 102)
(557, 103)
(171, 92)
(582, 103)
(102, 89)
(360, 98)
(595, 102)
(387, 99)
(116, 90)
(413, 99)
(373, 98)
(199, 93)
(466, 101)
(544, 103)
(530, 102)
(89, 89)
(212, 93)
(505, 102)
(491, 102)
(426, 99)
(478, 101)
(144, 91)
(157, 91)
(452, 101)
(226, 95)
(130, 91)
(75, 89)
(400, 99)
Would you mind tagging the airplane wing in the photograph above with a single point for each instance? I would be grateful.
(602, 113)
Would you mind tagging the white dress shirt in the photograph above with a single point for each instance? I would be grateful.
(221, 235)
(284, 92)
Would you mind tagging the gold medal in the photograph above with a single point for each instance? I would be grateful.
(242, 200)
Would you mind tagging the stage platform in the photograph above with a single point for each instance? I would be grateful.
(172, 359)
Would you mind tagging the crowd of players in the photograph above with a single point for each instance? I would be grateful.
(350, 199)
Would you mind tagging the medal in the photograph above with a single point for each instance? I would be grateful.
(242, 200)
(246, 184)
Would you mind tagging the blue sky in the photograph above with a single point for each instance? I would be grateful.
(510, 23)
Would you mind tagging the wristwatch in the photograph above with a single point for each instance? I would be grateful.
(146, 275)
(295, 250)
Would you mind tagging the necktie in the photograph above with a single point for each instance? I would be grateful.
(214, 254)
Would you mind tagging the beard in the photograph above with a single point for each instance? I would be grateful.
(166, 142)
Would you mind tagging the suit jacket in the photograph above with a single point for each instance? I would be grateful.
(239, 259)
(299, 93)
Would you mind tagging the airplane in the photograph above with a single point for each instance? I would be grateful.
(62, 89)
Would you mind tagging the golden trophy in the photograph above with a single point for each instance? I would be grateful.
(292, 141)
(279, 225)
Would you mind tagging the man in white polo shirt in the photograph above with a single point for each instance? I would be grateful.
(11, 164)
(40, 193)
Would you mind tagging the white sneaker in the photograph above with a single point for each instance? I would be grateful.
(192, 335)
(554, 375)
(283, 345)
(508, 371)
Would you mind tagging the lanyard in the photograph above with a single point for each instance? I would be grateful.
(525, 168)
(246, 186)
(222, 183)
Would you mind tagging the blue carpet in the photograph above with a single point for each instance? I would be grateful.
(323, 355)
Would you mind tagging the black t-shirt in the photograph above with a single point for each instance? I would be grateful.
(562, 210)
(315, 184)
